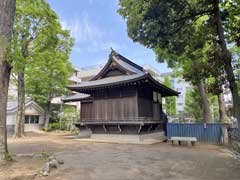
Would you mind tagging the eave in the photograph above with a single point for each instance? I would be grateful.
(145, 78)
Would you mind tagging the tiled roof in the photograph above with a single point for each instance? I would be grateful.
(11, 105)
(125, 63)
(127, 66)
(133, 73)
(107, 81)
(75, 97)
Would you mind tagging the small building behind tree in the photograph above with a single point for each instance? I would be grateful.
(34, 115)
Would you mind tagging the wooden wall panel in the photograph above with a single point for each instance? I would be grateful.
(120, 103)
(110, 109)
(145, 108)
(86, 110)
(145, 101)
(156, 111)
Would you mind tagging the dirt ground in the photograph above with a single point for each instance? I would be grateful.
(103, 161)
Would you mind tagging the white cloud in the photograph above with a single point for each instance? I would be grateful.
(82, 29)
(89, 37)
(97, 46)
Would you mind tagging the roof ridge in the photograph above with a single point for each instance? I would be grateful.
(114, 53)
(122, 62)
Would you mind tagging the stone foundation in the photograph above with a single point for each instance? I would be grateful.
(150, 138)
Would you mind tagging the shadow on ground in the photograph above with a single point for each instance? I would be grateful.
(102, 161)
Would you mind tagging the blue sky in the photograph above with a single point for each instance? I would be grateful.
(96, 26)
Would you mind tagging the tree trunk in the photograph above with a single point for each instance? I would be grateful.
(7, 13)
(46, 117)
(203, 95)
(5, 71)
(222, 111)
(20, 120)
(227, 58)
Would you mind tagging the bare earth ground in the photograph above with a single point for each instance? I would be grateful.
(102, 161)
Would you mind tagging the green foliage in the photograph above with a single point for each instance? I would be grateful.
(8, 157)
(47, 76)
(231, 19)
(66, 117)
(54, 126)
(31, 21)
(46, 129)
(182, 33)
(236, 147)
(170, 26)
(170, 102)
(185, 33)
(193, 106)
(61, 118)
(57, 126)
(213, 102)
(236, 60)
(40, 50)
(166, 25)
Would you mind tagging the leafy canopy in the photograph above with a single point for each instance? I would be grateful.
(32, 21)
(170, 102)
(163, 24)
(41, 50)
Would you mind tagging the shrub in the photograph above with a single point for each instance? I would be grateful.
(236, 147)
(63, 127)
(8, 157)
(54, 126)
(46, 129)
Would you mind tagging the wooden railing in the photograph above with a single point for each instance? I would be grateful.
(123, 119)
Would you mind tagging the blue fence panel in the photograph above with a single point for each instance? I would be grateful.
(203, 133)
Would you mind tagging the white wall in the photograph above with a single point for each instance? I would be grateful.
(32, 109)
(11, 117)
(181, 86)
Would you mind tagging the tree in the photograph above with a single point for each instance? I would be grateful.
(215, 87)
(36, 30)
(7, 13)
(194, 63)
(170, 102)
(236, 63)
(169, 27)
(49, 70)
(193, 104)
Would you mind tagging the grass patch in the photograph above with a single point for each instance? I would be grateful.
(8, 157)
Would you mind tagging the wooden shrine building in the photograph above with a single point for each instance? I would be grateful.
(121, 99)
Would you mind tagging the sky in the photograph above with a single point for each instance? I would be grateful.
(96, 27)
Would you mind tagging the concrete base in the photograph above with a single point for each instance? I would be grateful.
(27, 128)
(85, 133)
(150, 138)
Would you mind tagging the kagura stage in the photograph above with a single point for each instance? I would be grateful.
(121, 99)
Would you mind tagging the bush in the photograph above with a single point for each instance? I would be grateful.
(63, 127)
(236, 147)
(8, 157)
(54, 126)
(46, 129)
